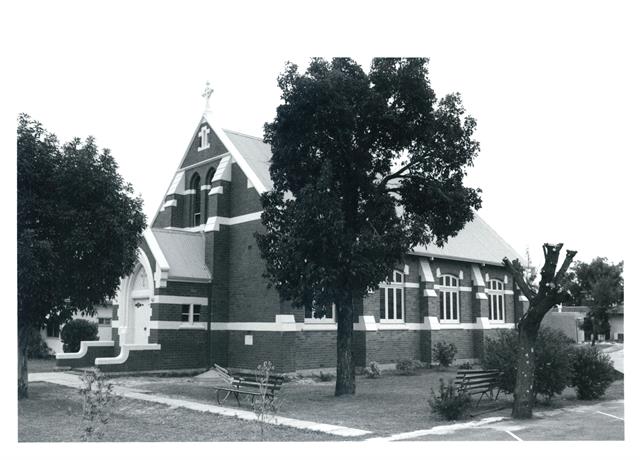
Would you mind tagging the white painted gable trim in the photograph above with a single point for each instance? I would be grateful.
(237, 156)
(162, 266)
(177, 185)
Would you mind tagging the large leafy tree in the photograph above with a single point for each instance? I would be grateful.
(79, 226)
(599, 285)
(364, 167)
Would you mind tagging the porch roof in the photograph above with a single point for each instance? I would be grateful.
(184, 252)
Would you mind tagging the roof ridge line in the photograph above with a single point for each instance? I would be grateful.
(261, 139)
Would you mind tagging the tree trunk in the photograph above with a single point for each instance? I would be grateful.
(23, 373)
(523, 395)
(345, 366)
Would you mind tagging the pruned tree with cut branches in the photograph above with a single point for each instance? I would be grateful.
(549, 293)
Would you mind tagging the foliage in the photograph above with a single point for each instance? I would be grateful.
(465, 366)
(444, 353)
(37, 348)
(449, 403)
(599, 285)
(79, 227)
(266, 403)
(552, 358)
(372, 371)
(408, 366)
(592, 372)
(75, 331)
(326, 376)
(97, 404)
(348, 150)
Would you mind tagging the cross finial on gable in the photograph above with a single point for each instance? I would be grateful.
(208, 91)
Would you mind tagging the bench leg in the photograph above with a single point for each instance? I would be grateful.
(480, 399)
(237, 395)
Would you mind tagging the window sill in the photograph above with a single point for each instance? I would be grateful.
(391, 321)
(319, 321)
(195, 326)
(449, 321)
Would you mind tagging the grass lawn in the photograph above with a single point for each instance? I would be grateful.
(387, 405)
(54, 414)
(42, 365)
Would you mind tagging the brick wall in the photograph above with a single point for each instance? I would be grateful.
(89, 359)
(243, 200)
(315, 349)
(391, 346)
(277, 347)
(194, 156)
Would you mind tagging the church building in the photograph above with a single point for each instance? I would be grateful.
(197, 295)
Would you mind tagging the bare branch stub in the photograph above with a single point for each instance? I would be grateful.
(527, 290)
(565, 266)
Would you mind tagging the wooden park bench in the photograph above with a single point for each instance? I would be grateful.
(246, 385)
(481, 382)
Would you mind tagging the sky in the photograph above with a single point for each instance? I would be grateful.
(552, 85)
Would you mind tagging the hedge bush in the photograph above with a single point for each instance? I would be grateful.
(592, 372)
(75, 331)
(408, 366)
(449, 403)
(552, 356)
(373, 371)
(444, 353)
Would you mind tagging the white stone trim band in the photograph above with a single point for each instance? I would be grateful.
(213, 223)
(179, 300)
(125, 348)
(84, 348)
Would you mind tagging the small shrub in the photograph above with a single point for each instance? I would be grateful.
(552, 355)
(444, 353)
(449, 403)
(265, 404)
(326, 376)
(465, 366)
(373, 371)
(97, 401)
(408, 366)
(75, 331)
(592, 371)
(37, 348)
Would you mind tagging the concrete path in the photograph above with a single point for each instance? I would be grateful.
(73, 381)
(616, 352)
(598, 422)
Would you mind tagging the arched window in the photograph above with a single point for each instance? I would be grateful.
(449, 299)
(207, 186)
(495, 292)
(195, 201)
(392, 298)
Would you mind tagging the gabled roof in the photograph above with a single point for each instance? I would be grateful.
(184, 252)
(476, 242)
(257, 153)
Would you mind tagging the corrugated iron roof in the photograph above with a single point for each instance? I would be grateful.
(476, 242)
(184, 252)
(256, 152)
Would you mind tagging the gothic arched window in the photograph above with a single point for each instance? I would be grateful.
(207, 184)
(195, 200)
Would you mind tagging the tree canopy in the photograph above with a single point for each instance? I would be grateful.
(79, 226)
(364, 167)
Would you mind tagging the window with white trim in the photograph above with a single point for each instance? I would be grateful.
(190, 313)
(392, 298)
(495, 293)
(449, 299)
(328, 316)
(104, 321)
